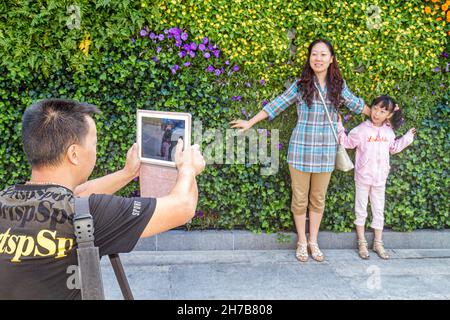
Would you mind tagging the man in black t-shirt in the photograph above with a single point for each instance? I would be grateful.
(37, 243)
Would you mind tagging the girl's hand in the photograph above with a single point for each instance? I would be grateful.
(244, 125)
(412, 130)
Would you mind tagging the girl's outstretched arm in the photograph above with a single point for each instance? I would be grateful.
(399, 144)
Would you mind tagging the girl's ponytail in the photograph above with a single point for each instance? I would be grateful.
(397, 117)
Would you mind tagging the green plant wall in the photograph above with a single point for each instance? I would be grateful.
(123, 56)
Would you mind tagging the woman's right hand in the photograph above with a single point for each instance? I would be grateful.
(244, 125)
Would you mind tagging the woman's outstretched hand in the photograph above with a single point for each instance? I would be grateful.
(244, 125)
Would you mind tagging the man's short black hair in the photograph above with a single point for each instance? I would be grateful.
(50, 126)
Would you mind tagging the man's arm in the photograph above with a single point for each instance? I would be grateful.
(113, 182)
(179, 206)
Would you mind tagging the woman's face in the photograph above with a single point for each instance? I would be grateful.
(320, 58)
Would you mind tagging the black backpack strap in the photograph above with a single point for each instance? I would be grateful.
(88, 254)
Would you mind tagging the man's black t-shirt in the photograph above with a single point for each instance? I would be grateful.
(38, 258)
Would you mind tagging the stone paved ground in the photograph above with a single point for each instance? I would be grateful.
(276, 274)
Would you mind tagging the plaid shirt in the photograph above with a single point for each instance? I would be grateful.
(312, 147)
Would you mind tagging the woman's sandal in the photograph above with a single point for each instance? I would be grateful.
(379, 249)
(362, 249)
(315, 252)
(301, 253)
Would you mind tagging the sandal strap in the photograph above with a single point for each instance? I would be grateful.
(302, 250)
(362, 242)
(316, 252)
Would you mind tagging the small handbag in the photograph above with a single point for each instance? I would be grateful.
(343, 161)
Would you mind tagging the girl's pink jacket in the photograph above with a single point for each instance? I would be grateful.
(373, 146)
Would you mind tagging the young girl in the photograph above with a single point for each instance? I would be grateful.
(374, 140)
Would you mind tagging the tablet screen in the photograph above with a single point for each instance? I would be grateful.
(158, 134)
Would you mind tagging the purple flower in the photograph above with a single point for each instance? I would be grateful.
(184, 36)
(244, 112)
(205, 40)
(216, 53)
(152, 36)
(175, 68)
(158, 49)
(192, 54)
(182, 54)
(248, 84)
(193, 46)
(143, 33)
(210, 68)
(161, 37)
(227, 63)
(437, 69)
(207, 55)
(187, 47)
(175, 31)
(347, 117)
(155, 59)
(178, 43)
(199, 213)
(236, 98)
(201, 47)
(433, 92)
(444, 55)
(187, 64)
(402, 120)
(263, 82)
(136, 179)
(166, 31)
(211, 47)
(236, 68)
(217, 72)
(132, 40)
(264, 103)
(280, 146)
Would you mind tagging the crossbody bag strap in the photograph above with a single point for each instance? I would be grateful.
(328, 115)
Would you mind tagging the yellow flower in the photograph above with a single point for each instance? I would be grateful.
(427, 10)
(85, 43)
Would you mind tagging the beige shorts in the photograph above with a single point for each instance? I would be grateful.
(308, 191)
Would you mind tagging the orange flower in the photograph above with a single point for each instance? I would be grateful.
(434, 1)
(439, 19)
(436, 6)
(427, 10)
(448, 16)
(444, 7)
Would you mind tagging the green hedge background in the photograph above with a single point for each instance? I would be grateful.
(101, 52)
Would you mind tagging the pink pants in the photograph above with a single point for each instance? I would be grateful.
(376, 195)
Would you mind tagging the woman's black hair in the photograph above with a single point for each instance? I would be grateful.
(386, 102)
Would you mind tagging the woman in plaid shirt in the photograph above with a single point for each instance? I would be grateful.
(312, 147)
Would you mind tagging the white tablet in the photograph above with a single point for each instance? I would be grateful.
(158, 133)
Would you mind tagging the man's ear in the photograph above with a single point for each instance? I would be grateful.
(73, 154)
